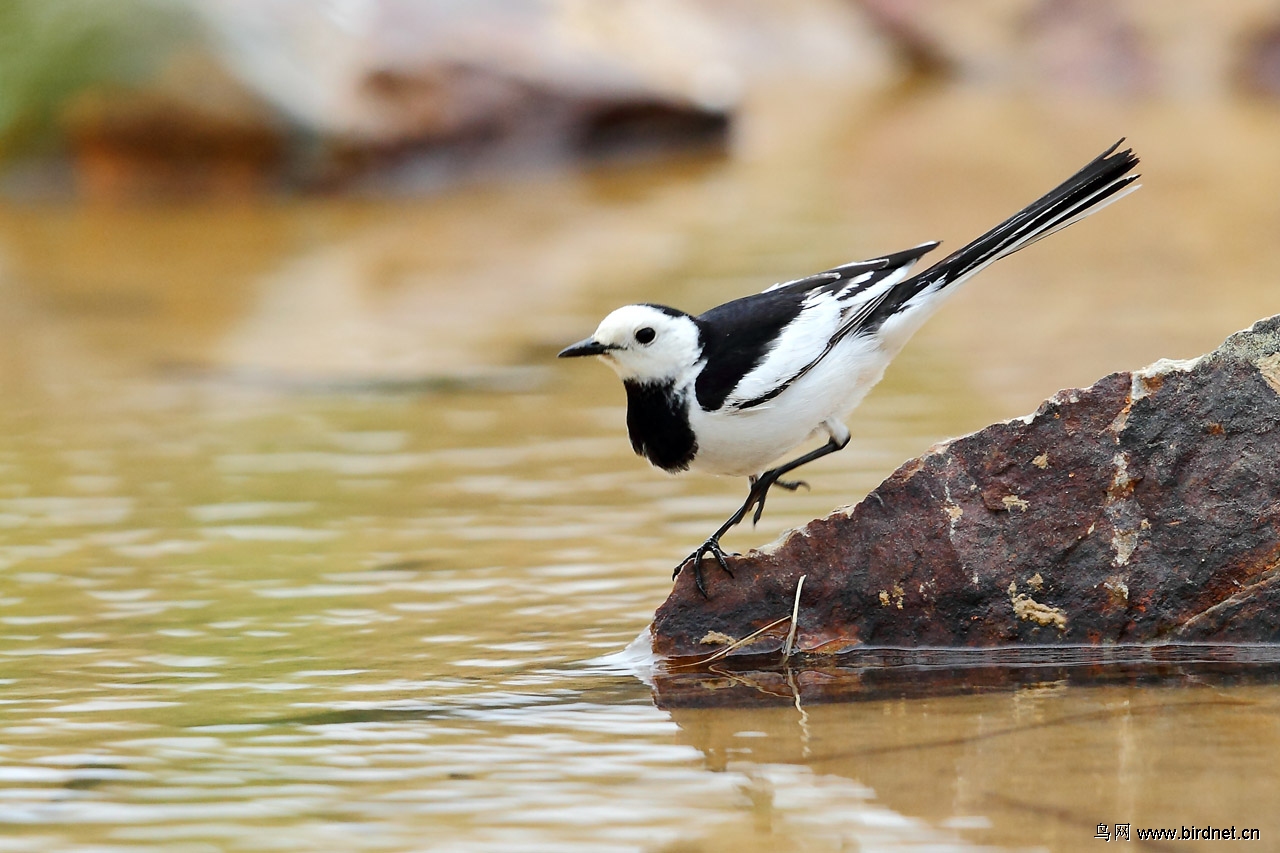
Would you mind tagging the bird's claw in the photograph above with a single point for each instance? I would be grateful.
(712, 547)
(763, 485)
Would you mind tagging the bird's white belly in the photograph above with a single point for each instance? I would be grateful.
(745, 442)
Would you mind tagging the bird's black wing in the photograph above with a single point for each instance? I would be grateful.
(739, 338)
(850, 279)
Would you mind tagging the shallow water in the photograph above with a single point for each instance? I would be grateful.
(307, 542)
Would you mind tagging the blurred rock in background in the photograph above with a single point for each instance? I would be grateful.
(192, 131)
(1258, 70)
(141, 98)
(1193, 48)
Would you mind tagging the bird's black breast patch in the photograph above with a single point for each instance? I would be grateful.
(658, 423)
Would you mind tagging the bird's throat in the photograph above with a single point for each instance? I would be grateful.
(658, 423)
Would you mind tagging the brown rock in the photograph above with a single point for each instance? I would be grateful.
(194, 133)
(1145, 509)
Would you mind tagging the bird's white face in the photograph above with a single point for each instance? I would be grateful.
(645, 344)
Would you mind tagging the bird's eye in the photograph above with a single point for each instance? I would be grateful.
(645, 335)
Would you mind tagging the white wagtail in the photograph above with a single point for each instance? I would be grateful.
(732, 390)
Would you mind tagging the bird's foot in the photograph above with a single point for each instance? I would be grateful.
(760, 490)
(712, 547)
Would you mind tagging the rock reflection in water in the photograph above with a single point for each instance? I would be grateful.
(1012, 746)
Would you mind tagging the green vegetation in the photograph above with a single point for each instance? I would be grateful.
(50, 50)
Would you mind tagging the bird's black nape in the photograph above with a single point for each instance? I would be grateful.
(665, 309)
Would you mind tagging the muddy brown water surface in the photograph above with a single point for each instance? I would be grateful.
(308, 542)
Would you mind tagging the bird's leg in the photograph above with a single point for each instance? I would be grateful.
(760, 486)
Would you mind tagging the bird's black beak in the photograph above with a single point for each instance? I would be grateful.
(588, 347)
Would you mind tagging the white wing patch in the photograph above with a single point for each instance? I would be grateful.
(827, 276)
(806, 340)
(798, 344)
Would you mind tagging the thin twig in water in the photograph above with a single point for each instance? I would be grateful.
(804, 715)
(719, 653)
(795, 617)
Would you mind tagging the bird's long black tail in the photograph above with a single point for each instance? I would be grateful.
(1089, 190)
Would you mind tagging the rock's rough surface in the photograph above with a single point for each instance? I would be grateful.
(1143, 509)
